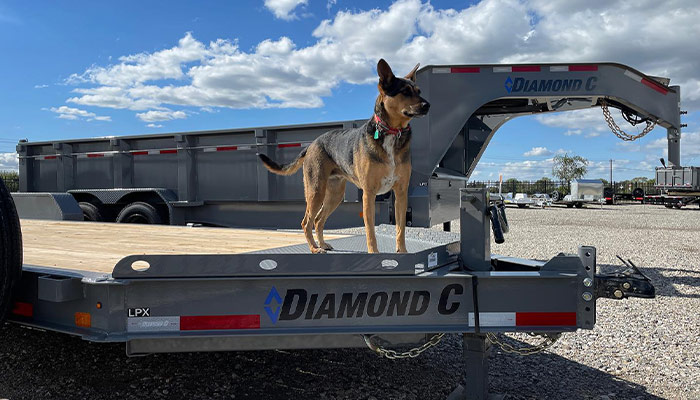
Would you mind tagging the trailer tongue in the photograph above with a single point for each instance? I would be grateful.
(283, 297)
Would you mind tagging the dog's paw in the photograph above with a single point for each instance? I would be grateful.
(326, 246)
(318, 250)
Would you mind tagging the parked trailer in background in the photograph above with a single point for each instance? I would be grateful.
(680, 186)
(583, 191)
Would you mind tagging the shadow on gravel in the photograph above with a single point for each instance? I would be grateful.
(550, 376)
(664, 279)
(45, 365)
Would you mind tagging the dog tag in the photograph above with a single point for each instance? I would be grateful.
(376, 134)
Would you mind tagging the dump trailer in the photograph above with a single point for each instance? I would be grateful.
(180, 289)
(680, 186)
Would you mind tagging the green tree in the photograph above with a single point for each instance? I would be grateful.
(568, 168)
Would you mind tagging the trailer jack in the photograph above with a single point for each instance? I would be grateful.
(630, 282)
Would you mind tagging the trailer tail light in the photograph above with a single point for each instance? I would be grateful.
(283, 145)
(83, 320)
(23, 309)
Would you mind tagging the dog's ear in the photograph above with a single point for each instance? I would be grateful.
(412, 75)
(386, 75)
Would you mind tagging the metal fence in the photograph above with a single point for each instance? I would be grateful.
(548, 186)
(12, 183)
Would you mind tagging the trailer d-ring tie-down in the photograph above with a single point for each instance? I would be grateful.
(630, 282)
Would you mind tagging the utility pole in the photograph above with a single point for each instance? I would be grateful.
(611, 182)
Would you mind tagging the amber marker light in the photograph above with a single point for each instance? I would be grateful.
(83, 320)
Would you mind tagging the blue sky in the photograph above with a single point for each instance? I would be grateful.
(82, 69)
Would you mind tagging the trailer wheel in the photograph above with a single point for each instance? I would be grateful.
(638, 192)
(522, 205)
(578, 205)
(139, 213)
(91, 212)
(569, 205)
(556, 196)
(10, 249)
(668, 205)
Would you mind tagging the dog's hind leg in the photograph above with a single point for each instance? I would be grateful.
(314, 191)
(335, 193)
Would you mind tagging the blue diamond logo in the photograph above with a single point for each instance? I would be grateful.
(509, 84)
(272, 305)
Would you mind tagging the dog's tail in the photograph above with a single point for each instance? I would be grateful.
(287, 169)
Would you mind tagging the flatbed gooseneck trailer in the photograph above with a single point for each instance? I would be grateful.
(175, 289)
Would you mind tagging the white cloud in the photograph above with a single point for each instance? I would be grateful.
(154, 116)
(9, 161)
(154, 126)
(278, 73)
(40, 86)
(283, 8)
(537, 152)
(70, 113)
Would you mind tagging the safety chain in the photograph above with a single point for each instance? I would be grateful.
(548, 340)
(619, 132)
(393, 355)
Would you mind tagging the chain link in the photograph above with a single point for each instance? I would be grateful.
(394, 355)
(619, 132)
(548, 340)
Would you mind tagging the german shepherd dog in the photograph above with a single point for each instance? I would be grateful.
(375, 157)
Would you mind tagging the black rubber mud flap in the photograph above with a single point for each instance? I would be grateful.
(10, 249)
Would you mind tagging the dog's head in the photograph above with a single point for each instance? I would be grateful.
(400, 96)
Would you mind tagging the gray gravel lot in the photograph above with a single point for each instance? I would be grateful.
(639, 349)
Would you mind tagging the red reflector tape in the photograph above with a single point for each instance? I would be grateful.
(289, 145)
(526, 68)
(465, 70)
(575, 68)
(95, 155)
(203, 322)
(23, 309)
(48, 157)
(654, 86)
(226, 148)
(170, 151)
(608, 198)
(139, 153)
(545, 319)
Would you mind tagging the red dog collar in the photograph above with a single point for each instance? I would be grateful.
(387, 130)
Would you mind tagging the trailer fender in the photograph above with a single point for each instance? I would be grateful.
(10, 249)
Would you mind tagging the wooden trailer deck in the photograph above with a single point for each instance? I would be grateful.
(97, 247)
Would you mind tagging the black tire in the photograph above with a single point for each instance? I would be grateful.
(10, 249)
(579, 205)
(139, 213)
(608, 192)
(522, 205)
(556, 196)
(91, 212)
(668, 205)
(569, 205)
(637, 193)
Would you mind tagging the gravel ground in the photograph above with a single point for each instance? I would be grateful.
(639, 349)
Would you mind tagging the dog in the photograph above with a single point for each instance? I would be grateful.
(375, 157)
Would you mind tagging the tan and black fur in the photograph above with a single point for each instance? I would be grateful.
(373, 165)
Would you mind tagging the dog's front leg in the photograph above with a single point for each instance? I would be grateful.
(368, 215)
(400, 206)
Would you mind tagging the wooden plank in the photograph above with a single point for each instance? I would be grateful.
(91, 246)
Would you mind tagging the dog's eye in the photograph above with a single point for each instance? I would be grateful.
(407, 92)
